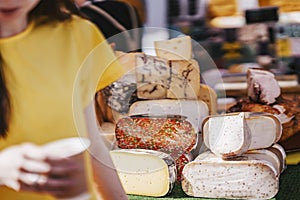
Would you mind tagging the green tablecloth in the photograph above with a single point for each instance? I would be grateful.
(289, 188)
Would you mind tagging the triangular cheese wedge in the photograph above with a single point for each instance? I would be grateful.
(179, 48)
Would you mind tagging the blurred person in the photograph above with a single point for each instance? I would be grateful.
(114, 17)
(42, 45)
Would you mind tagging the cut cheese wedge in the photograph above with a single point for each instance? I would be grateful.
(211, 177)
(145, 172)
(179, 48)
(209, 96)
(264, 130)
(185, 79)
(227, 135)
(152, 77)
(195, 110)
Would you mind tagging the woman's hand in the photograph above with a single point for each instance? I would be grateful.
(25, 167)
(21, 164)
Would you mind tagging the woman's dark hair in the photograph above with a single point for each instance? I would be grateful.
(46, 11)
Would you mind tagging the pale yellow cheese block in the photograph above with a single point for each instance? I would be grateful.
(209, 96)
(144, 172)
(179, 48)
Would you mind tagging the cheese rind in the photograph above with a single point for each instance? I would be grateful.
(211, 177)
(152, 77)
(185, 79)
(145, 172)
(179, 48)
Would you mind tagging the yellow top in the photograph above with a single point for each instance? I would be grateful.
(41, 66)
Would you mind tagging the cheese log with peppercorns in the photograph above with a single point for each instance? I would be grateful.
(246, 177)
(179, 48)
(185, 79)
(144, 172)
(152, 77)
(194, 110)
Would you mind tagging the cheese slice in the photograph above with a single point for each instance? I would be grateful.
(179, 48)
(144, 172)
(227, 135)
(185, 79)
(195, 110)
(244, 178)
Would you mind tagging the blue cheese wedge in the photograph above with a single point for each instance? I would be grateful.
(145, 172)
(179, 48)
(152, 77)
(245, 177)
(185, 80)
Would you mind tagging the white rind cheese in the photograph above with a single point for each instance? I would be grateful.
(264, 130)
(185, 79)
(211, 177)
(145, 172)
(179, 48)
(152, 77)
(194, 110)
(227, 135)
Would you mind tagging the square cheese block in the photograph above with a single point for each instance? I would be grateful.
(152, 77)
(227, 135)
(264, 130)
(251, 176)
(185, 79)
(179, 48)
(195, 110)
(144, 172)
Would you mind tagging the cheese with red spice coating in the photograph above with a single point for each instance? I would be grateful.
(194, 110)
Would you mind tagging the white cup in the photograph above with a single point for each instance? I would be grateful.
(71, 148)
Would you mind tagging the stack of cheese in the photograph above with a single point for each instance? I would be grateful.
(167, 84)
(243, 160)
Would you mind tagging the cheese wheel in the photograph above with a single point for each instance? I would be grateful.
(248, 178)
(145, 172)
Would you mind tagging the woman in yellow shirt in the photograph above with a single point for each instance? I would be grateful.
(42, 45)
